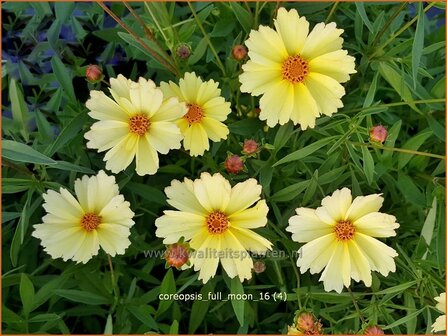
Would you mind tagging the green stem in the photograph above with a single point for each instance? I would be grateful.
(423, 101)
(333, 9)
(401, 150)
(114, 284)
(356, 306)
(400, 31)
(207, 38)
(386, 26)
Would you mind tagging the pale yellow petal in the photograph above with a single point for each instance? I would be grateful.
(337, 64)
(326, 91)
(120, 87)
(257, 79)
(145, 98)
(214, 129)
(315, 255)
(171, 90)
(359, 263)
(88, 248)
(292, 29)
(181, 196)
(189, 86)
(236, 265)
(306, 108)
(338, 203)
(63, 207)
(207, 91)
(307, 226)
(363, 205)
(251, 218)
(377, 224)
(121, 155)
(196, 140)
(268, 44)
(250, 240)
(106, 134)
(170, 110)
(176, 224)
(103, 108)
(332, 275)
(439, 324)
(164, 136)
(146, 157)
(117, 211)
(217, 108)
(243, 195)
(277, 104)
(324, 38)
(212, 191)
(113, 239)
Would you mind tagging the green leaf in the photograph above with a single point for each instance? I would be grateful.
(429, 223)
(236, 288)
(147, 192)
(63, 165)
(305, 151)
(198, 52)
(44, 318)
(20, 152)
(167, 287)
(242, 15)
(19, 234)
(85, 297)
(404, 319)
(246, 127)
(63, 10)
(144, 314)
(63, 75)
(70, 131)
(283, 134)
(368, 165)
(418, 43)
(369, 99)
(396, 289)
(173, 329)
(151, 44)
(413, 144)
(200, 308)
(289, 192)
(108, 330)
(361, 10)
(26, 294)
(19, 109)
(396, 80)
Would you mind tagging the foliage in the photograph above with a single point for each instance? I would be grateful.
(400, 83)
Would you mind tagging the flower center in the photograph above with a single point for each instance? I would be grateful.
(90, 221)
(194, 114)
(139, 124)
(295, 69)
(344, 230)
(216, 222)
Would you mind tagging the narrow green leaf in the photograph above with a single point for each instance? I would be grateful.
(404, 319)
(83, 296)
(26, 294)
(63, 10)
(305, 151)
(368, 165)
(44, 318)
(144, 314)
(418, 43)
(237, 290)
(283, 134)
(198, 52)
(200, 308)
(362, 12)
(393, 134)
(108, 330)
(20, 152)
(19, 234)
(70, 131)
(396, 289)
(429, 223)
(19, 109)
(63, 75)
(242, 15)
(167, 287)
(173, 329)
(63, 165)
(147, 192)
(289, 192)
(369, 99)
(413, 143)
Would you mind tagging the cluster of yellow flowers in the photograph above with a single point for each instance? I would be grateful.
(298, 76)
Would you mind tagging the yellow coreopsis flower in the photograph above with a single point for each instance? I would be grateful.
(297, 73)
(76, 228)
(206, 111)
(217, 220)
(439, 324)
(339, 237)
(137, 123)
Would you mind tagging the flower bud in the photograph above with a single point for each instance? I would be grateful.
(177, 255)
(259, 266)
(373, 330)
(234, 164)
(93, 73)
(239, 52)
(183, 51)
(250, 147)
(305, 322)
(378, 134)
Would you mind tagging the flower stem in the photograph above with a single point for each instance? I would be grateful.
(333, 9)
(207, 38)
(401, 150)
(356, 305)
(423, 101)
(114, 284)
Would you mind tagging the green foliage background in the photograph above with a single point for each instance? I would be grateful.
(400, 57)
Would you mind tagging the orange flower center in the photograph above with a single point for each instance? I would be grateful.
(216, 222)
(194, 114)
(139, 124)
(295, 69)
(344, 230)
(90, 221)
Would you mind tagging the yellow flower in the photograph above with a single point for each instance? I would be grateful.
(217, 220)
(76, 228)
(296, 72)
(206, 111)
(439, 324)
(339, 237)
(137, 122)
